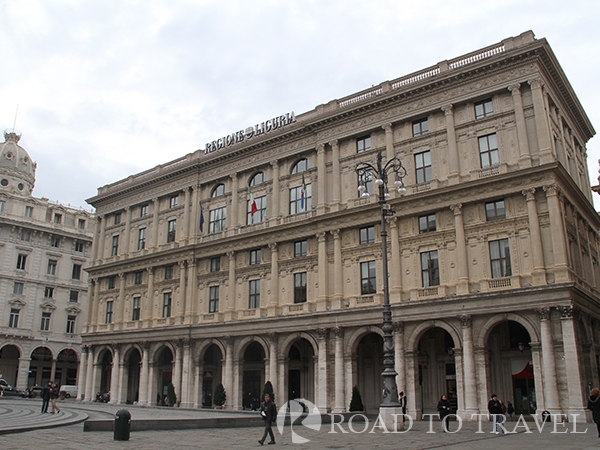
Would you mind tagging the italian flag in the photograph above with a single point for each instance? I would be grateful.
(253, 207)
(302, 193)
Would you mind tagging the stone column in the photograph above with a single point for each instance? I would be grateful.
(336, 175)
(127, 236)
(537, 375)
(273, 359)
(236, 389)
(120, 319)
(395, 264)
(198, 379)
(229, 311)
(323, 271)
(482, 387)
(321, 399)
(102, 238)
(148, 310)
(273, 308)
(89, 387)
(350, 379)
(53, 370)
(81, 375)
(548, 362)
(470, 379)
(280, 390)
(559, 246)
(186, 214)
(411, 386)
(151, 384)
(339, 381)
(462, 288)
(23, 372)
(155, 206)
(181, 303)
(338, 282)
(399, 356)
(453, 158)
(389, 141)
(321, 170)
(114, 374)
(185, 375)
(195, 213)
(274, 204)
(572, 365)
(177, 369)
(541, 121)
(523, 141)
(228, 372)
(234, 201)
(145, 398)
(190, 311)
(97, 234)
(92, 300)
(122, 385)
(539, 268)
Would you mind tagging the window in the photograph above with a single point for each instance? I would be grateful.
(257, 179)
(488, 150)
(423, 167)
(70, 325)
(368, 278)
(500, 258)
(495, 210)
(138, 277)
(109, 312)
(18, 288)
(144, 210)
(81, 224)
(141, 239)
(2, 203)
(484, 109)
(300, 287)
(300, 198)
(174, 201)
(28, 211)
(13, 320)
(76, 273)
(166, 305)
(45, 323)
(58, 218)
(55, 242)
(115, 246)
(363, 144)
(430, 272)
(26, 235)
(254, 297)
(48, 292)
(111, 282)
(74, 296)
(213, 299)
(171, 228)
(169, 272)
(79, 247)
(255, 257)
(301, 166)
(427, 223)
(260, 213)
(217, 220)
(21, 260)
(365, 179)
(215, 264)
(136, 308)
(117, 218)
(367, 235)
(218, 191)
(51, 267)
(420, 127)
(299, 248)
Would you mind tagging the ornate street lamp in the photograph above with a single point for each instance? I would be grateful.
(393, 168)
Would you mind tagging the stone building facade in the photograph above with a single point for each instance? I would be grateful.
(256, 260)
(43, 287)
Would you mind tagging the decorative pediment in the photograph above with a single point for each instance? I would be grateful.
(73, 310)
(16, 303)
(48, 307)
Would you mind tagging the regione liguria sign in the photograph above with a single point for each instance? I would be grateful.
(250, 132)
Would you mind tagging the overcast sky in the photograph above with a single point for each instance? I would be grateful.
(105, 89)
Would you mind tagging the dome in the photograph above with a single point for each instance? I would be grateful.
(17, 170)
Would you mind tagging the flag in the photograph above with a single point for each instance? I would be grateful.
(302, 192)
(253, 207)
(201, 218)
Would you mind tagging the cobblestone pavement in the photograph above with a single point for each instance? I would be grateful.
(422, 435)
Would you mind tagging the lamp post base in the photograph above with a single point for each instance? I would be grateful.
(392, 418)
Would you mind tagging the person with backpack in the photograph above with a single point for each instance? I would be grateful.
(45, 394)
(268, 412)
(496, 408)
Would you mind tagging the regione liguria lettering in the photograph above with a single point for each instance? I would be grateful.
(250, 132)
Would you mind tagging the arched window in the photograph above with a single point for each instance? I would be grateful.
(301, 166)
(218, 191)
(257, 179)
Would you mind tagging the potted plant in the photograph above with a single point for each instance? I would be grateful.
(220, 396)
(171, 395)
(356, 403)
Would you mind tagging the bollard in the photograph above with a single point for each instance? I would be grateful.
(122, 425)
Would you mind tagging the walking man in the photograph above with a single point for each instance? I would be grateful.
(495, 408)
(53, 397)
(268, 412)
(45, 394)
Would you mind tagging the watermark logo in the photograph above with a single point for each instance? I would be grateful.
(302, 413)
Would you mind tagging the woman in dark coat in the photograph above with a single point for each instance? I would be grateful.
(444, 410)
(594, 405)
(268, 411)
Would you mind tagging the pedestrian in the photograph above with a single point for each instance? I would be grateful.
(45, 394)
(594, 405)
(54, 397)
(510, 409)
(268, 412)
(495, 408)
(402, 401)
(444, 410)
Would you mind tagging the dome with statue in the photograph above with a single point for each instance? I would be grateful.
(17, 170)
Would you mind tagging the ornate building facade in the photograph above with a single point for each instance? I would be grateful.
(255, 258)
(43, 287)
